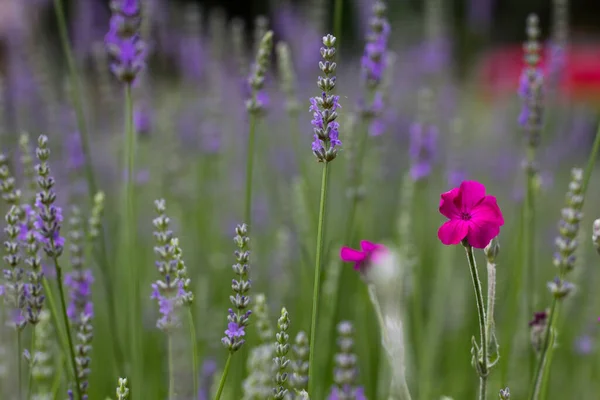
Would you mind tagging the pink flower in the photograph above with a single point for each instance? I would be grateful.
(474, 216)
(361, 258)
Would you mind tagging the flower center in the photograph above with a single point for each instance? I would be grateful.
(465, 216)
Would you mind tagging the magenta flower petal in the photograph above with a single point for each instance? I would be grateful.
(453, 231)
(488, 210)
(350, 255)
(470, 194)
(448, 207)
(367, 246)
(481, 233)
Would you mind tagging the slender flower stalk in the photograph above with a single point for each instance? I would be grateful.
(127, 49)
(325, 147)
(256, 106)
(480, 352)
(564, 261)
(338, 13)
(530, 119)
(238, 319)
(48, 225)
(281, 361)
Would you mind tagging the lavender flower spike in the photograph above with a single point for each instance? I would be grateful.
(345, 373)
(238, 319)
(281, 360)
(80, 310)
(14, 291)
(324, 107)
(530, 85)
(373, 63)
(166, 290)
(123, 41)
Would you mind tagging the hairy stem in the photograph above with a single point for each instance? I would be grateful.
(483, 366)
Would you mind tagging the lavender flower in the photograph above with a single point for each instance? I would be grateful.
(281, 361)
(504, 394)
(530, 85)
(14, 290)
(258, 99)
(80, 310)
(566, 242)
(300, 349)
(49, 217)
(122, 389)
(259, 382)
(123, 40)
(43, 367)
(345, 372)
(35, 296)
(165, 291)
(10, 193)
(238, 319)
(324, 107)
(423, 139)
(373, 61)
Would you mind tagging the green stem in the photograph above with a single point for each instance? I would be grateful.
(249, 168)
(312, 365)
(129, 245)
(19, 361)
(63, 306)
(31, 364)
(54, 311)
(76, 99)
(542, 371)
(337, 20)
(224, 377)
(483, 367)
(171, 369)
(194, 340)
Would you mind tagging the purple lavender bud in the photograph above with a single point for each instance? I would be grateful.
(537, 329)
(324, 107)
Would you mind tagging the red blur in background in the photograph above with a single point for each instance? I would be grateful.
(578, 80)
